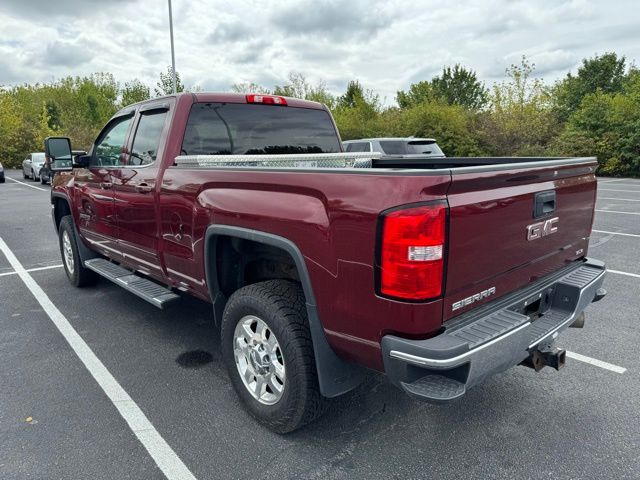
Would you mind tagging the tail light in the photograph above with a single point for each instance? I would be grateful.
(411, 261)
(266, 99)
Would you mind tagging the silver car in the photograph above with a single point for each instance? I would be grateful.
(396, 148)
(31, 166)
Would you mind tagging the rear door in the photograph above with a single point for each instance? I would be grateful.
(135, 193)
(508, 228)
(94, 187)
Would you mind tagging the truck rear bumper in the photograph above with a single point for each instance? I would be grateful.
(496, 337)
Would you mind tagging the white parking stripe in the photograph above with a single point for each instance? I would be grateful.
(617, 233)
(26, 184)
(596, 362)
(616, 190)
(621, 199)
(623, 273)
(163, 455)
(616, 211)
(37, 269)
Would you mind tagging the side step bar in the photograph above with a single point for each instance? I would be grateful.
(153, 293)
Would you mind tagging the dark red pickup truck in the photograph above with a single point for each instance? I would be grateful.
(320, 263)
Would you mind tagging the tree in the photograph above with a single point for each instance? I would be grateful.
(299, 87)
(165, 84)
(249, 87)
(133, 92)
(455, 86)
(520, 120)
(605, 73)
(418, 93)
(459, 86)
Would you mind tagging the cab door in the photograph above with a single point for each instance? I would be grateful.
(94, 187)
(135, 192)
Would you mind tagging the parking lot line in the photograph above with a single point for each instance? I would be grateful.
(616, 211)
(617, 190)
(26, 184)
(621, 199)
(596, 362)
(623, 273)
(617, 233)
(37, 269)
(160, 451)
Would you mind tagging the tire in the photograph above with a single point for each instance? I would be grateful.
(33, 174)
(24, 175)
(280, 305)
(78, 275)
(2, 179)
(43, 180)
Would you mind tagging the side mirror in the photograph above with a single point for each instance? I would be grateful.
(58, 150)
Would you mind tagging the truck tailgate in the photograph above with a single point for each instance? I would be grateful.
(498, 242)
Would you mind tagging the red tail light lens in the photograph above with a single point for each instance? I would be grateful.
(266, 99)
(412, 252)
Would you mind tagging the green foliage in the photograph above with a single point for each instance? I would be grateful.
(595, 112)
(455, 86)
(165, 84)
(133, 92)
(605, 73)
(520, 120)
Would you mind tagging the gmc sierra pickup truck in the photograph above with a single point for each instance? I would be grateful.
(320, 264)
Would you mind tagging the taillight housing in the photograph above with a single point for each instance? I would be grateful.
(266, 99)
(412, 252)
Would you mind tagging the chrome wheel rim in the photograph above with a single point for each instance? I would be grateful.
(259, 360)
(67, 252)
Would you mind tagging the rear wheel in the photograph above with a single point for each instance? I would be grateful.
(267, 348)
(33, 175)
(24, 175)
(78, 275)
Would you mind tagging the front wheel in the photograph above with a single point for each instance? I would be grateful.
(78, 275)
(33, 174)
(267, 348)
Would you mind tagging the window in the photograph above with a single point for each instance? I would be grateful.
(110, 144)
(241, 129)
(147, 139)
(358, 147)
(394, 147)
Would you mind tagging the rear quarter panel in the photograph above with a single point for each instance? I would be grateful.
(331, 217)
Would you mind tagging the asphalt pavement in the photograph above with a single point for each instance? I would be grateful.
(56, 422)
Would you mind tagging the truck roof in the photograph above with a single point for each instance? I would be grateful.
(229, 97)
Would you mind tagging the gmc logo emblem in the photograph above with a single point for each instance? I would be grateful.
(542, 229)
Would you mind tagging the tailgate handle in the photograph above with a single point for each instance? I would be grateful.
(544, 204)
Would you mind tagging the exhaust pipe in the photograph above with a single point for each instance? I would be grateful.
(551, 357)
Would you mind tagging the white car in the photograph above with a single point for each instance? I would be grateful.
(31, 166)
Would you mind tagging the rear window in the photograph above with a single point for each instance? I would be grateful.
(358, 147)
(411, 147)
(242, 129)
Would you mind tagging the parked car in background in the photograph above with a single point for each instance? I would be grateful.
(32, 165)
(46, 174)
(1, 173)
(396, 148)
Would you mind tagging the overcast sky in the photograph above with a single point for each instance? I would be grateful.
(386, 45)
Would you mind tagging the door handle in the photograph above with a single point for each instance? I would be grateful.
(106, 185)
(143, 188)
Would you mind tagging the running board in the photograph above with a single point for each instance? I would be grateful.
(153, 293)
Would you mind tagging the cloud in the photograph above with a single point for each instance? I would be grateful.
(66, 54)
(386, 45)
(59, 8)
(331, 19)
